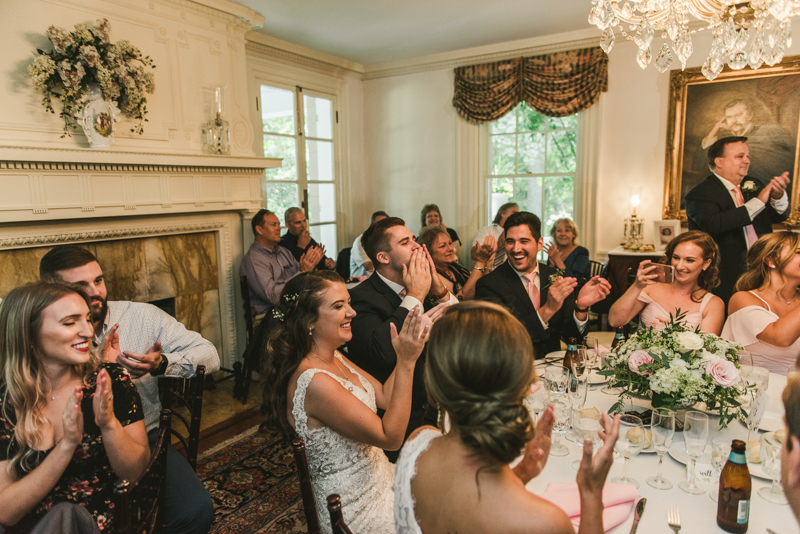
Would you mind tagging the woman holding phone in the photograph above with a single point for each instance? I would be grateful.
(680, 287)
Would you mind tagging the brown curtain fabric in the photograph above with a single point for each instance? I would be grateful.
(555, 85)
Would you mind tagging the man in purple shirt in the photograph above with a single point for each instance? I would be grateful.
(267, 266)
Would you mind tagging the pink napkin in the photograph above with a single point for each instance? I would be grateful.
(618, 500)
(601, 349)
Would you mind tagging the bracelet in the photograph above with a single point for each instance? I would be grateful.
(481, 269)
(440, 295)
(582, 310)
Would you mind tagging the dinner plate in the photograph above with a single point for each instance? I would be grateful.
(596, 379)
(771, 422)
(678, 453)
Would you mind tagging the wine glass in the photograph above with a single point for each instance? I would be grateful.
(579, 362)
(592, 356)
(662, 428)
(609, 390)
(584, 428)
(578, 390)
(756, 382)
(720, 450)
(629, 444)
(695, 437)
(771, 459)
(557, 380)
(537, 401)
(745, 358)
(562, 411)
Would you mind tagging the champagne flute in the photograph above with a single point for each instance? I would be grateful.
(562, 411)
(720, 450)
(593, 357)
(662, 428)
(629, 444)
(771, 458)
(695, 438)
(577, 394)
(580, 363)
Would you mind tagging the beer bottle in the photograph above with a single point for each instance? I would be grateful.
(733, 506)
(571, 356)
(619, 337)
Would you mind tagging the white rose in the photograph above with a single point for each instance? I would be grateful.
(690, 341)
(678, 363)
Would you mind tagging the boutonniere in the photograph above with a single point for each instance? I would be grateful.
(749, 187)
(553, 277)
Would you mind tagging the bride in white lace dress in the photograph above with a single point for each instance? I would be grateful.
(328, 401)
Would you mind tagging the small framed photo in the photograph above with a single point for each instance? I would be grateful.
(664, 232)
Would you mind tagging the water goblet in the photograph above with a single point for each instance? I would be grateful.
(584, 428)
(695, 437)
(562, 411)
(536, 402)
(771, 458)
(662, 428)
(720, 450)
(629, 444)
(557, 380)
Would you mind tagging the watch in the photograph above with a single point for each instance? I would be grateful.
(161, 368)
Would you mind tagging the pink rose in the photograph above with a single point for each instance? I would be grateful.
(640, 357)
(723, 372)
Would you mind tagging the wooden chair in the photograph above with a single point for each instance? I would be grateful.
(306, 489)
(137, 504)
(250, 330)
(188, 394)
(599, 309)
(343, 263)
(337, 520)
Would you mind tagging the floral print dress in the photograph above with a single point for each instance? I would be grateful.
(88, 480)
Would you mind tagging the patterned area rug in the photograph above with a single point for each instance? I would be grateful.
(253, 481)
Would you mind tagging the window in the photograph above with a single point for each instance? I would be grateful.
(307, 177)
(532, 161)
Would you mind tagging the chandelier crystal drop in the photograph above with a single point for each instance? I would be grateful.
(750, 33)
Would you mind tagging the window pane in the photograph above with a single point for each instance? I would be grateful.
(528, 194)
(561, 151)
(281, 147)
(325, 234)
(318, 117)
(281, 197)
(501, 190)
(277, 110)
(505, 124)
(531, 153)
(319, 160)
(559, 199)
(570, 121)
(321, 203)
(530, 120)
(501, 153)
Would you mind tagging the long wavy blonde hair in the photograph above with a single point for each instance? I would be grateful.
(778, 248)
(21, 364)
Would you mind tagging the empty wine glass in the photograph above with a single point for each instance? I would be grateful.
(592, 357)
(629, 444)
(562, 411)
(695, 438)
(584, 428)
(662, 428)
(557, 380)
(745, 358)
(720, 450)
(580, 362)
(771, 459)
(537, 401)
(578, 390)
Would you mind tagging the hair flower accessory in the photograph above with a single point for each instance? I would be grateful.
(292, 297)
(277, 314)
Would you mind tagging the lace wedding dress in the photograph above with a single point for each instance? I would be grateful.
(360, 474)
(405, 520)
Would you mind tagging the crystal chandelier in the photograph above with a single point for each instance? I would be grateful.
(747, 33)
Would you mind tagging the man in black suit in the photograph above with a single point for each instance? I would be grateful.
(719, 207)
(544, 303)
(404, 278)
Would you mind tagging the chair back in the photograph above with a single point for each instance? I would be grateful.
(138, 504)
(337, 520)
(306, 489)
(184, 398)
(248, 309)
(596, 268)
(343, 263)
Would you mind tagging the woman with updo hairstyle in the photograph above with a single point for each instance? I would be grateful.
(694, 257)
(431, 215)
(479, 367)
(312, 390)
(71, 424)
(764, 313)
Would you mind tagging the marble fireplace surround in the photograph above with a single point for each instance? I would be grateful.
(124, 204)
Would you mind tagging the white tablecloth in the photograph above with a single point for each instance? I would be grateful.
(698, 512)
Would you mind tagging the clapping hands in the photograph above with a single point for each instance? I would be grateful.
(408, 344)
(593, 471)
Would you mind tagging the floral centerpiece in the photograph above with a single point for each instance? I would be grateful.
(678, 366)
(86, 56)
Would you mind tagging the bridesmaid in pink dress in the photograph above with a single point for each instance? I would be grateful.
(695, 257)
(764, 313)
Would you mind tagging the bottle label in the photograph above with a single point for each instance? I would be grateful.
(737, 458)
(618, 335)
(743, 514)
(572, 348)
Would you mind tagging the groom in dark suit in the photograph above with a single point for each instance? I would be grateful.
(734, 208)
(531, 291)
(404, 277)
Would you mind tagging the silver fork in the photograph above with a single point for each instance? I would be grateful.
(674, 518)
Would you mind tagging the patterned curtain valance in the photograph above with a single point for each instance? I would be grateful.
(555, 85)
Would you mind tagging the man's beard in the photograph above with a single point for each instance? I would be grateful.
(99, 309)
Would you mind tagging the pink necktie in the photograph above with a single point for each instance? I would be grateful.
(752, 236)
(533, 293)
(403, 293)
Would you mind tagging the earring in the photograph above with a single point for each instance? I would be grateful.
(309, 331)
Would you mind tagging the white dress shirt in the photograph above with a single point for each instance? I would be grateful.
(409, 302)
(538, 284)
(754, 206)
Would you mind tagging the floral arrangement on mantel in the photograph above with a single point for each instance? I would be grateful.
(86, 56)
(678, 367)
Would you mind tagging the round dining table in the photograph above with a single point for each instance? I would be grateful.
(698, 512)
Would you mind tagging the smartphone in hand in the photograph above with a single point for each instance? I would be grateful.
(666, 273)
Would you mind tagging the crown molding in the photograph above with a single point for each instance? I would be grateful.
(238, 14)
(271, 47)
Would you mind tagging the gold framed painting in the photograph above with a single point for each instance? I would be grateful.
(762, 105)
